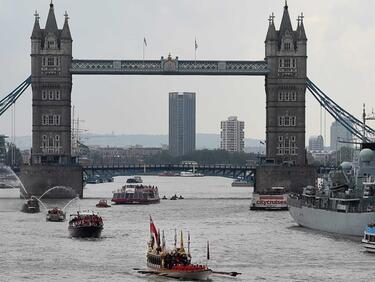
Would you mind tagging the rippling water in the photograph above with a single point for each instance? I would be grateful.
(264, 246)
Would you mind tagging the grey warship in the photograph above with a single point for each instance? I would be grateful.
(342, 202)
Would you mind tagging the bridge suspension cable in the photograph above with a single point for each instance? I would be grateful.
(12, 97)
(355, 126)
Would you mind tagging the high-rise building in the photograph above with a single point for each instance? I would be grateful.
(181, 123)
(316, 143)
(232, 135)
(339, 135)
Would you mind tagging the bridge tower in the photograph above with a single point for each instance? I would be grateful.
(51, 159)
(51, 55)
(286, 56)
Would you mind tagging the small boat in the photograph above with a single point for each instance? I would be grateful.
(85, 224)
(31, 206)
(55, 214)
(136, 194)
(368, 240)
(174, 197)
(180, 198)
(102, 204)
(240, 182)
(274, 199)
(164, 198)
(174, 263)
(134, 179)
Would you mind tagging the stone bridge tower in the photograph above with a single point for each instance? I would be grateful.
(51, 55)
(286, 56)
(52, 164)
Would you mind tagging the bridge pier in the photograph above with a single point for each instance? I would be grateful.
(37, 179)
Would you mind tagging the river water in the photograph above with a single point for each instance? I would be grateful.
(263, 246)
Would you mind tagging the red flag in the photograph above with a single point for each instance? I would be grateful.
(153, 229)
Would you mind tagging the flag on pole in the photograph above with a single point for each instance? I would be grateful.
(153, 229)
(144, 41)
(196, 44)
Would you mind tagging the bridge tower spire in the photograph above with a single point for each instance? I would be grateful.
(51, 56)
(285, 52)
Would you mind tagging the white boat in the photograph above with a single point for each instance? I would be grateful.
(190, 174)
(368, 240)
(275, 199)
(343, 202)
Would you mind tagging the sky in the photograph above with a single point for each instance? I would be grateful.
(341, 41)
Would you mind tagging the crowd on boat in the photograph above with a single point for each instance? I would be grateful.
(86, 220)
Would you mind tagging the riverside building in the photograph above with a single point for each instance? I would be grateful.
(232, 135)
(181, 123)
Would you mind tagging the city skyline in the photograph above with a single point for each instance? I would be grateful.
(227, 41)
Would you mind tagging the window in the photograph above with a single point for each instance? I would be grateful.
(50, 61)
(44, 94)
(44, 120)
(50, 95)
(281, 138)
(286, 143)
(281, 96)
(50, 120)
(43, 61)
(280, 63)
(293, 151)
(57, 95)
(294, 63)
(44, 141)
(56, 120)
(286, 151)
(293, 138)
(280, 152)
(287, 46)
(286, 63)
(292, 121)
(50, 143)
(281, 121)
(286, 121)
(286, 97)
(50, 44)
(293, 96)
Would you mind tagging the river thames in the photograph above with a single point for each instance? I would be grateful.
(263, 246)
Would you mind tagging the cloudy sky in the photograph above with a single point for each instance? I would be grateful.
(341, 43)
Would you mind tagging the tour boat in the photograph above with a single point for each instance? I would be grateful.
(55, 214)
(135, 179)
(175, 262)
(136, 194)
(85, 224)
(275, 199)
(190, 174)
(169, 173)
(368, 240)
(31, 206)
(240, 182)
(102, 204)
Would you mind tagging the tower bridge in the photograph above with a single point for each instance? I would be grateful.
(284, 69)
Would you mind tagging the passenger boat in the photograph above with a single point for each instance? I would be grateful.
(136, 194)
(55, 214)
(191, 174)
(31, 205)
(134, 179)
(240, 182)
(102, 204)
(275, 199)
(85, 224)
(175, 262)
(368, 240)
(169, 173)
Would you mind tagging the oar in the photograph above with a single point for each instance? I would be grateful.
(231, 273)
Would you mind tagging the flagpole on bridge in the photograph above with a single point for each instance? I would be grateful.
(195, 51)
(144, 45)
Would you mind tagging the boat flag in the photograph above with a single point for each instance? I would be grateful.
(189, 244)
(163, 242)
(196, 44)
(175, 238)
(144, 41)
(158, 239)
(153, 229)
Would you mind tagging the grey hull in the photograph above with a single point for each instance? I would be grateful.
(352, 224)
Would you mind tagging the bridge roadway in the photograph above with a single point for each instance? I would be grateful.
(169, 66)
(107, 171)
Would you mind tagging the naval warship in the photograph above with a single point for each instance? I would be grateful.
(343, 201)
